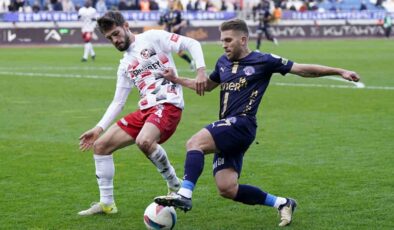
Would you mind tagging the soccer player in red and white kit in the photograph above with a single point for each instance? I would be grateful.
(88, 15)
(160, 106)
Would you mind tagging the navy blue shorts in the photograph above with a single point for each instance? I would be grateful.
(232, 137)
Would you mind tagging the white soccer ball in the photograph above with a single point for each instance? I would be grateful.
(159, 217)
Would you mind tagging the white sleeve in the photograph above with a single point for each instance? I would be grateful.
(175, 43)
(194, 48)
(123, 88)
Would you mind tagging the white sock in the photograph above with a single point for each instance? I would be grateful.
(86, 50)
(279, 201)
(185, 192)
(91, 51)
(105, 172)
(160, 160)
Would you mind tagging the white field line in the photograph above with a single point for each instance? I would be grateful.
(108, 68)
(105, 68)
(354, 85)
(357, 84)
(55, 75)
(332, 86)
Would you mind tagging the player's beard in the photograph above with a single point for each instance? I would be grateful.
(234, 54)
(126, 44)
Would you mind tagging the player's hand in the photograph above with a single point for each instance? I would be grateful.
(201, 81)
(169, 74)
(175, 28)
(87, 139)
(350, 76)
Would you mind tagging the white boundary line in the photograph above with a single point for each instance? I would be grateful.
(90, 67)
(56, 75)
(357, 84)
(331, 86)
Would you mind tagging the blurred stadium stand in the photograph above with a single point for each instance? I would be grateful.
(297, 18)
(207, 5)
(348, 5)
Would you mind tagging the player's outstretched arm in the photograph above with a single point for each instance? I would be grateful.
(169, 74)
(312, 70)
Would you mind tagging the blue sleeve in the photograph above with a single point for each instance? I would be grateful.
(214, 76)
(279, 64)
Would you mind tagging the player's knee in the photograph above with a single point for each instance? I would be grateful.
(193, 143)
(100, 147)
(228, 191)
(189, 144)
(145, 144)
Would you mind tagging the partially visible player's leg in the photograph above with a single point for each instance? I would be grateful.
(202, 142)
(258, 39)
(115, 138)
(86, 38)
(227, 184)
(269, 36)
(85, 52)
(227, 167)
(147, 141)
(199, 144)
(158, 127)
(186, 57)
(91, 50)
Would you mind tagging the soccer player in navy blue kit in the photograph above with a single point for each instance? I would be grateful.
(263, 14)
(243, 77)
(174, 23)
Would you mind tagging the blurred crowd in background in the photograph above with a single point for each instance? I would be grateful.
(101, 6)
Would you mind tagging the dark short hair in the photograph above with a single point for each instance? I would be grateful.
(109, 20)
(235, 24)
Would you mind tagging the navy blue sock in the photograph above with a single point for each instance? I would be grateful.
(194, 165)
(186, 57)
(258, 44)
(251, 195)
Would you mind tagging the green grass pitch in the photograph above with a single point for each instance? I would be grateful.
(323, 142)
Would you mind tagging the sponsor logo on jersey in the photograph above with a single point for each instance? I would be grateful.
(147, 53)
(145, 69)
(174, 37)
(249, 70)
(234, 86)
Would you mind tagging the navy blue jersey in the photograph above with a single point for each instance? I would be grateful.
(243, 83)
(262, 14)
(170, 19)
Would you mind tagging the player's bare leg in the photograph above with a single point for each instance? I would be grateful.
(147, 140)
(198, 145)
(115, 138)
